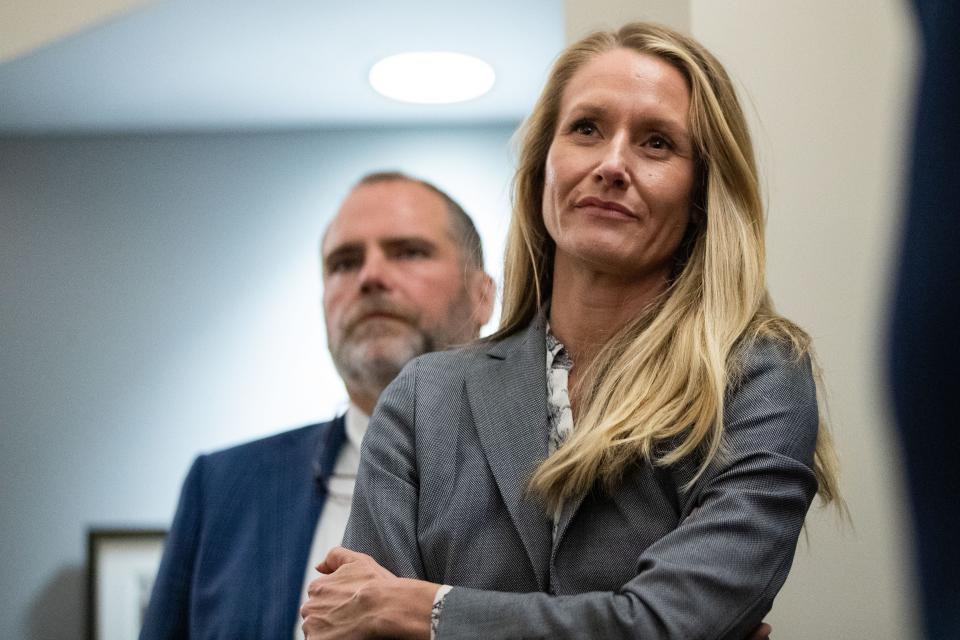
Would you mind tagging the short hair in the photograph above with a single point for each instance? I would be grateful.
(464, 231)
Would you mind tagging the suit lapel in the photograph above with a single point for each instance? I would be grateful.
(508, 401)
(294, 501)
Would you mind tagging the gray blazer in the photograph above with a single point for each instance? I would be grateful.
(441, 496)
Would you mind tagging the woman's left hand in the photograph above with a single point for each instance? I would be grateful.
(356, 598)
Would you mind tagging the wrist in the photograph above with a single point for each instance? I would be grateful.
(406, 608)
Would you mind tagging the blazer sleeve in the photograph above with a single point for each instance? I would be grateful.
(712, 577)
(383, 516)
(167, 616)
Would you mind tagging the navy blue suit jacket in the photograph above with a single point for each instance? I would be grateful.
(234, 561)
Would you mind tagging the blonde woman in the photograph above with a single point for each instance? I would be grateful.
(633, 453)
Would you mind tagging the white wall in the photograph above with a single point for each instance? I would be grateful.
(159, 297)
(584, 16)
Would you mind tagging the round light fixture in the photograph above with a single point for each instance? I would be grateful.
(432, 77)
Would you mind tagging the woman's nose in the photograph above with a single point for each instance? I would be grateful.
(612, 169)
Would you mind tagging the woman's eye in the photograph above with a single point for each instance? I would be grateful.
(658, 143)
(584, 127)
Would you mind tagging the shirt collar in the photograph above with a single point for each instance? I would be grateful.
(557, 356)
(357, 422)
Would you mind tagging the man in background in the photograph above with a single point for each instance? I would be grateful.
(402, 276)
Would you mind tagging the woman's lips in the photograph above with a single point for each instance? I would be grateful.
(607, 205)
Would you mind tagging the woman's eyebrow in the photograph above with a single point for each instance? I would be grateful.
(653, 121)
(672, 127)
(667, 125)
(588, 109)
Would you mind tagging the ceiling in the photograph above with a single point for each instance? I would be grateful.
(185, 65)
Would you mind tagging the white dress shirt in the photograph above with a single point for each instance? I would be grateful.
(336, 508)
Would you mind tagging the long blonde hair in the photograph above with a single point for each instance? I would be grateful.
(662, 378)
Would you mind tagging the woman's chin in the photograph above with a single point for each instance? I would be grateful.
(609, 260)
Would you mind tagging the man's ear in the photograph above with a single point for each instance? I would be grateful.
(482, 294)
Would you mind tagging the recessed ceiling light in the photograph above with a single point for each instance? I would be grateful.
(432, 77)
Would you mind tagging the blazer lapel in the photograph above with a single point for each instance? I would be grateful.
(567, 511)
(508, 401)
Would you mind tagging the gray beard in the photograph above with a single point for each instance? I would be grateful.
(374, 373)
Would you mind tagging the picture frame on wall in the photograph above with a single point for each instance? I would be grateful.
(121, 567)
